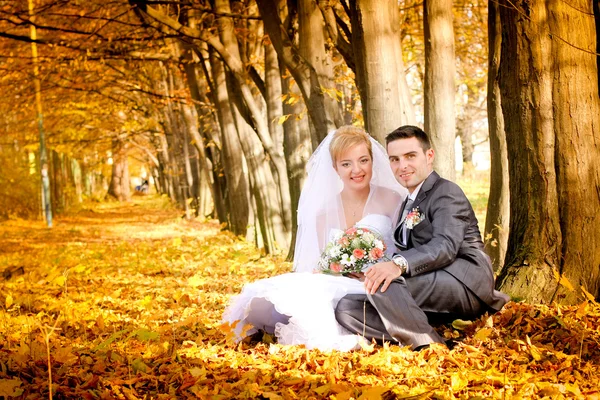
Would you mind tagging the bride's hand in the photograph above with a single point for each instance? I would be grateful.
(381, 273)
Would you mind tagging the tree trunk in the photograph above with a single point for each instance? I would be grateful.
(238, 201)
(550, 102)
(312, 43)
(440, 118)
(263, 187)
(172, 128)
(259, 120)
(274, 112)
(297, 148)
(498, 209)
(76, 180)
(597, 19)
(119, 181)
(189, 123)
(56, 185)
(166, 181)
(464, 129)
(380, 76)
(211, 171)
(304, 73)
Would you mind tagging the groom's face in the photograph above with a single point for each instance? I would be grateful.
(410, 163)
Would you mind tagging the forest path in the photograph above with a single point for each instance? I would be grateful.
(136, 293)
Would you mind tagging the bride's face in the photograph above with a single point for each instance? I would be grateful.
(355, 167)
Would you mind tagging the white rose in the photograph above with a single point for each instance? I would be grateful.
(368, 237)
(378, 244)
(336, 235)
(335, 251)
(346, 260)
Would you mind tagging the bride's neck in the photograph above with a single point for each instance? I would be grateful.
(353, 202)
(355, 196)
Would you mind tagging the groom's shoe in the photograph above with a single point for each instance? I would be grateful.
(451, 343)
(259, 336)
(422, 347)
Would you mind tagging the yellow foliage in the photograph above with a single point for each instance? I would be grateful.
(140, 317)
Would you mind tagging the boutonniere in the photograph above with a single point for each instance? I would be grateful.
(413, 218)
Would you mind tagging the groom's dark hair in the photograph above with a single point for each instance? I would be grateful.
(407, 132)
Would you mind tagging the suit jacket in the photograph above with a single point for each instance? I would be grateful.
(448, 238)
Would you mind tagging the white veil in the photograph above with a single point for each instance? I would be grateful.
(320, 207)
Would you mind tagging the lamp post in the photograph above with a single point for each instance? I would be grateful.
(46, 204)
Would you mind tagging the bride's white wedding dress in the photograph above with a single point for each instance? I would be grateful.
(299, 307)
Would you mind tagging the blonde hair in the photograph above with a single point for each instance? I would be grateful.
(348, 136)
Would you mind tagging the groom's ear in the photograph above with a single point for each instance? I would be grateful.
(430, 155)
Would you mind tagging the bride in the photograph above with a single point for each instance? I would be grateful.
(349, 183)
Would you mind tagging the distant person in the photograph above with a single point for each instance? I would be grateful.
(143, 188)
(439, 268)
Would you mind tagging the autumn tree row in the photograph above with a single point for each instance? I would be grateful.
(225, 100)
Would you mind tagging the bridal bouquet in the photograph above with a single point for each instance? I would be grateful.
(352, 251)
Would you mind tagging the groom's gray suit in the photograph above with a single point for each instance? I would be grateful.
(449, 274)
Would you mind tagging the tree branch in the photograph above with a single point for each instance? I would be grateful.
(343, 46)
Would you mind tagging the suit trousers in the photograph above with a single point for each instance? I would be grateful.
(400, 314)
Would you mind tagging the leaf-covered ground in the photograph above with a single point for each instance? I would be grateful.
(124, 302)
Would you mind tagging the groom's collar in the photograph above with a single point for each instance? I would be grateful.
(430, 181)
(415, 192)
(426, 186)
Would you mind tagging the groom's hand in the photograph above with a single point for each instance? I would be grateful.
(381, 273)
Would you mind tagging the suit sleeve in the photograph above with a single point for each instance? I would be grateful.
(447, 219)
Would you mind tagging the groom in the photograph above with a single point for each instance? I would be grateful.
(439, 269)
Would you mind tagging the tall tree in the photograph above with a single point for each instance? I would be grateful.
(307, 76)
(551, 107)
(273, 95)
(371, 47)
(498, 211)
(232, 154)
(439, 89)
(119, 182)
(380, 76)
(312, 47)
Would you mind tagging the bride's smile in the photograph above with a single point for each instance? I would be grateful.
(355, 168)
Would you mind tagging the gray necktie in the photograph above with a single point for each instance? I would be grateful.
(405, 212)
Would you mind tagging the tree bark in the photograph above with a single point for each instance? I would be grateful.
(173, 134)
(119, 181)
(498, 209)
(209, 132)
(297, 149)
(304, 73)
(238, 199)
(274, 112)
(259, 120)
(265, 192)
(439, 90)
(549, 86)
(597, 19)
(312, 44)
(380, 76)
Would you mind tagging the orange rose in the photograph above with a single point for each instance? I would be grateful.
(351, 231)
(375, 253)
(358, 253)
(335, 267)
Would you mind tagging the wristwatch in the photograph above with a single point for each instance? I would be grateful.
(401, 263)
